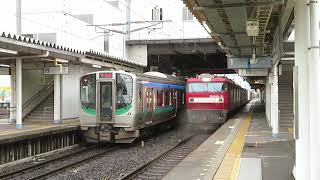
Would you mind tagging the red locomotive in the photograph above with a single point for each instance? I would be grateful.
(211, 99)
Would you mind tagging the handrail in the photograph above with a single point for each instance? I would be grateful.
(35, 96)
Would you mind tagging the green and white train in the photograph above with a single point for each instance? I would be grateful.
(117, 106)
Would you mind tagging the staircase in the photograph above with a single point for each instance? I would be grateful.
(286, 96)
(43, 112)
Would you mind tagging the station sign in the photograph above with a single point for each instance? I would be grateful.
(249, 63)
(56, 70)
(4, 71)
(253, 72)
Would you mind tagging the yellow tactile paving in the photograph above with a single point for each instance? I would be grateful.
(230, 164)
(29, 127)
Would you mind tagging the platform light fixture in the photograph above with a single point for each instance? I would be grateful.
(205, 25)
(8, 51)
(4, 65)
(96, 66)
(61, 60)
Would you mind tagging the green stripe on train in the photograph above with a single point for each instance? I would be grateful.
(123, 110)
(159, 110)
(164, 109)
(90, 111)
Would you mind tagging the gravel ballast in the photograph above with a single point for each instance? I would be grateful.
(118, 163)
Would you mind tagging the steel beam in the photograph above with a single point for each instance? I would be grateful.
(243, 4)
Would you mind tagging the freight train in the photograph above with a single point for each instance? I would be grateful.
(211, 100)
(117, 106)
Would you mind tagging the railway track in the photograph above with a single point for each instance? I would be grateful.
(50, 167)
(161, 165)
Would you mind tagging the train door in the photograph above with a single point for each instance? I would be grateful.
(148, 106)
(105, 101)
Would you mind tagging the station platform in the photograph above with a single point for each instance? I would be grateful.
(9, 133)
(243, 148)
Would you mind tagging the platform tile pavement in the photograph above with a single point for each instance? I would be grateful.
(9, 129)
(276, 152)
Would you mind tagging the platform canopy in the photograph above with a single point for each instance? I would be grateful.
(13, 46)
(226, 21)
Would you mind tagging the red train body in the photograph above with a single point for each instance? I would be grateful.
(211, 100)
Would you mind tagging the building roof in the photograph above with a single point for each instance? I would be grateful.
(30, 46)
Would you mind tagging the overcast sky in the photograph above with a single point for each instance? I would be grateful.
(4, 80)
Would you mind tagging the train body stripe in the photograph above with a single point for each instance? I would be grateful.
(123, 110)
(163, 85)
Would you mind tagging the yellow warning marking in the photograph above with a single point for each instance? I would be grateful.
(290, 130)
(230, 164)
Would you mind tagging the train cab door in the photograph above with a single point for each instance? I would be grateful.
(106, 101)
(148, 106)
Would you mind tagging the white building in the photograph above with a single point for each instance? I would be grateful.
(70, 23)
(65, 22)
(181, 25)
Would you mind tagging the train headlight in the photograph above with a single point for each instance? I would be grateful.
(220, 99)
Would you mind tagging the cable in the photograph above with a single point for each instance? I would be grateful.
(170, 24)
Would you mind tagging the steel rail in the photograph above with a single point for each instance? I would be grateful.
(51, 172)
(20, 171)
(145, 166)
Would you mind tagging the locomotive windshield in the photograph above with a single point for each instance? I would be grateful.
(88, 93)
(207, 87)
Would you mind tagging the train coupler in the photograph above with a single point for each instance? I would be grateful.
(107, 134)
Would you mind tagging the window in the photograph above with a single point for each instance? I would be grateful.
(215, 87)
(196, 87)
(167, 97)
(186, 14)
(159, 97)
(157, 14)
(124, 90)
(114, 3)
(88, 18)
(206, 87)
(88, 91)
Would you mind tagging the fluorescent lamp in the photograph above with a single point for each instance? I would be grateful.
(61, 60)
(96, 66)
(205, 25)
(8, 51)
(4, 65)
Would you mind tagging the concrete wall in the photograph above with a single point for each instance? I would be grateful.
(268, 99)
(138, 53)
(71, 89)
(31, 83)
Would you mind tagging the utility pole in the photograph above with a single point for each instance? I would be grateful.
(18, 16)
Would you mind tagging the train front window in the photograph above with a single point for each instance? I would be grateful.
(196, 87)
(124, 91)
(207, 87)
(216, 87)
(88, 92)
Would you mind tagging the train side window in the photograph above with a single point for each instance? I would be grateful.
(167, 97)
(159, 98)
